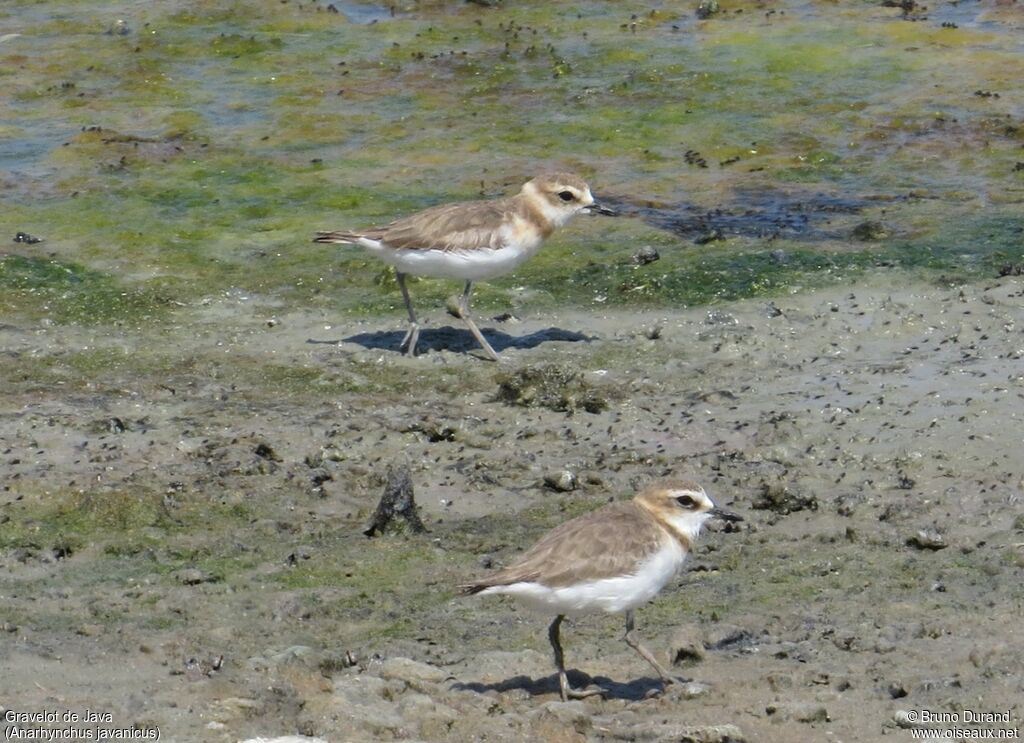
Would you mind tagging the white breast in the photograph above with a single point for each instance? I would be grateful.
(468, 265)
(610, 595)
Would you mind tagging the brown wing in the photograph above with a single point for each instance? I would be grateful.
(471, 224)
(609, 542)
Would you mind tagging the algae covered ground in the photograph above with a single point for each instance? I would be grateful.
(201, 407)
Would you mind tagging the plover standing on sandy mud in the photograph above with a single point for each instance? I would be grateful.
(473, 240)
(613, 559)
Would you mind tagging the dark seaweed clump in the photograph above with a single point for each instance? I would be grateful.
(551, 386)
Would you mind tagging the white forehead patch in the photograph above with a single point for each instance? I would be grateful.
(696, 493)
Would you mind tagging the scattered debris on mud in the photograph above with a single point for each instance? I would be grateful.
(553, 386)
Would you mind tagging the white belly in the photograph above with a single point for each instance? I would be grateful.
(468, 265)
(610, 595)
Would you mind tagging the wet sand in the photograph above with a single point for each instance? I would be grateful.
(183, 517)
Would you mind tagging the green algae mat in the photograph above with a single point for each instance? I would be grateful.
(163, 153)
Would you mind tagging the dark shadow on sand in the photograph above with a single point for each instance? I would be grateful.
(458, 339)
(636, 690)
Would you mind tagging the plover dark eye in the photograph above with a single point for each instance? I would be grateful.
(685, 501)
(566, 196)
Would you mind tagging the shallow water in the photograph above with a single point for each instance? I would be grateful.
(173, 151)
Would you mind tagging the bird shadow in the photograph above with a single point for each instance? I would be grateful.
(458, 339)
(633, 691)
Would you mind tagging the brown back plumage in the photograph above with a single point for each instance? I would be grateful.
(465, 225)
(605, 543)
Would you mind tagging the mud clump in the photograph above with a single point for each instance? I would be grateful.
(869, 231)
(562, 481)
(266, 451)
(707, 8)
(550, 386)
(687, 646)
(783, 499)
(398, 502)
(712, 734)
(194, 576)
(912, 10)
(926, 539)
(645, 255)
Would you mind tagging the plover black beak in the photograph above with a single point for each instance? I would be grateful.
(597, 208)
(725, 514)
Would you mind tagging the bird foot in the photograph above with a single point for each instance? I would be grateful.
(412, 335)
(591, 691)
(667, 682)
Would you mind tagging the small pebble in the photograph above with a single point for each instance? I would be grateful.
(928, 540)
(24, 237)
(645, 255)
(563, 481)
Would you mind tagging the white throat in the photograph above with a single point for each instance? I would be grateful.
(688, 524)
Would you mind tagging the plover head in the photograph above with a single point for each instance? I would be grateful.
(558, 196)
(683, 507)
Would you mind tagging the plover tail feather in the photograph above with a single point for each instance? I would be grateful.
(348, 238)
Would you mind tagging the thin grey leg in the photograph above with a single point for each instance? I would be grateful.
(464, 311)
(413, 334)
(646, 654)
(563, 681)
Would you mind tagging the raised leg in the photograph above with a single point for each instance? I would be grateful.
(464, 312)
(563, 681)
(633, 642)
(413, 334)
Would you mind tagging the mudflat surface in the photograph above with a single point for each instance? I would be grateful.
(200, 407)
(183, 515)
